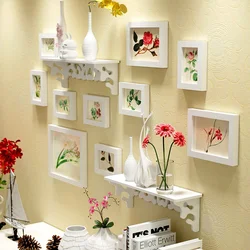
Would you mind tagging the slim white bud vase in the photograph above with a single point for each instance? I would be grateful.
(89, 46)
(130, 166)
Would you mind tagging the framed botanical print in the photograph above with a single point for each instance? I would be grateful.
(67, 150)
(47, 45)
(108, 160)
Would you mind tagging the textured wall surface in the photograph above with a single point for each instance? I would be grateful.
(225, 207)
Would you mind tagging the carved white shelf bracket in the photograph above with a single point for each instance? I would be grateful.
(183, 201)
(99, 70)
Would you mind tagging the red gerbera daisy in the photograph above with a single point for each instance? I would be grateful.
(145, 141)
(164, 130)
(179, 139)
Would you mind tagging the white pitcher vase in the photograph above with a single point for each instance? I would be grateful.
(89, 46)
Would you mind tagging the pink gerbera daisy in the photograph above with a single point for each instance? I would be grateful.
(164, 130)
(145, 141)
(179, 139)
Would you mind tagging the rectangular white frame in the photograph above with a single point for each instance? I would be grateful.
(46, 36)
(72, 104)
(44, 88)
(186, 245)
(144, 88)
(163, 48)
(233, 136)
(201, 84)
(83, 155)
(117, 159)
(104, 101)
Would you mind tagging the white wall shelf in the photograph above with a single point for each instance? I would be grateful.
(182, 200)
(98, 70)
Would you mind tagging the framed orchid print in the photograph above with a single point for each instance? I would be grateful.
(134, 99)
(147, 44)
(213, 136)
(108, 160)
(64, 104)
(38, 87)
(67, 150)
(96, 111)
(192, 65)
(47, 45)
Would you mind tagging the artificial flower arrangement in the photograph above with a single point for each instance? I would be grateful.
(99, 207)
(178, 139)
(9, 152)
(115, 8)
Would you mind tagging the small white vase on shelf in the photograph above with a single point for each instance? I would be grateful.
(75, 237)
(130, 166)
(89, 46)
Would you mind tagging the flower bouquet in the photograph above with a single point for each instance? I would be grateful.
(178, 139)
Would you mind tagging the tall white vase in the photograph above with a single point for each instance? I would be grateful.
(130, 166)
(89, 46)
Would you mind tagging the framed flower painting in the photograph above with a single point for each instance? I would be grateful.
(64, 104)
(47, 45)
(96, 111)
(38, 87)
(192, 65)
(213, 136)
(108, 160)
(67, 150)
(134, 99)
(147, 44)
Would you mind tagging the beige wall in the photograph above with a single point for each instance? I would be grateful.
(225, 209)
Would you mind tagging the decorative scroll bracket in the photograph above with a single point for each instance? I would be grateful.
(103, 72)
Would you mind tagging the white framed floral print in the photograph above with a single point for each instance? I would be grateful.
(108, 160)
(96, 111)
(213, 136)
(67, 151)
(64, 104)
(134, 99)
(47, 45)
(38, 87)
(192, 65)
(147, 44)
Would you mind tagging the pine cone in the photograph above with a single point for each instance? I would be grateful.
(27, 242)
(54, 243)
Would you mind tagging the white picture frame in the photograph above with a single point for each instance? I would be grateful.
(38, 87)
(192, 65)
(96, 111)
(47, 45)
(108, 166)
(157, 56)
(132, 107)
(67, 141)
(213, 136)
(64, 104)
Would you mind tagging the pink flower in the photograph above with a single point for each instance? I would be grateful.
(97, 204)
(179, 139)
(190, 56)
(145, 141)
(147, 38)
(164, 130)
(92, 210)
(156, 42)
(92, 200)
(109, 194)
(105, 198)
(105, 204)
(218, 134)
(59, 31)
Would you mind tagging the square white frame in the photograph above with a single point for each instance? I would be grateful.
(83, 155)
(201, 84)
(104, 101)
(144, 88)
(72, 104)
(117, 152)
(163, 48)
(233, 136)
(46, 36)
(42, 101)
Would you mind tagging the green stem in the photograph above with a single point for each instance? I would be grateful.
(156, 156)
(163, 151)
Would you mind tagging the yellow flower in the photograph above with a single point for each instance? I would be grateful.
(105, 4)
(118, 9)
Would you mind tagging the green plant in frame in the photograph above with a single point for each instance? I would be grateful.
(37, 82)
(96, 111)
(50, 44)
(133, 95)
(108, 160)
(64, 104)
(191, 58)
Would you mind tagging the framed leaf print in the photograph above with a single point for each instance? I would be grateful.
(213, 136)
(47, 45)
(192, 65)
(134, 99)
(67, 150)
(147, 44)
(108, 160)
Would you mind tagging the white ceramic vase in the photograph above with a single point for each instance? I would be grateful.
(74, 238)
(130, 166)
(102, 240)
(89, 46)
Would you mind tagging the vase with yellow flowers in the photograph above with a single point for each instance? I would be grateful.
(89, 46)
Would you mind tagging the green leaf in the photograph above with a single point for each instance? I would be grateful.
(98, 223)
(111, 224)
(136, 47)
(111, 169)
(193, 64)
(189, 62)
(195, 77)
(192, 71)
(1, 187)
(131, 92)
(153, 53)
(135, 37)
(186, 69)
(4, 182)
(138, 102)
(103, 159)
(94, 227)
(141, 42)
(132, 108)
(131, 98)
(109, 157)
(105, 222)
